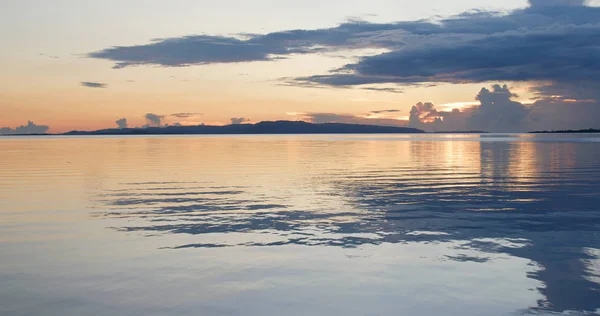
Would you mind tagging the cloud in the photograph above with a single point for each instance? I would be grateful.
(239, 120)
(543, 42)
(553, 44)
(93, 84)
(540, 3)
(212, 49)
(563, 115)
(385, 111)
(498, 112)
(49, 56)
(420, 113)
(121, 123)
(153, 120)
(30, 128)
(390, 90)
(185, 115)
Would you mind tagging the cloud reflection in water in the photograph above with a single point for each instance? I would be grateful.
(526, 199)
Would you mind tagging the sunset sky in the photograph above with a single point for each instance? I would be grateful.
(501, 66)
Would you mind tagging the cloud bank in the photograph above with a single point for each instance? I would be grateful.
(497, 111)
(552, 40)
(30, 128)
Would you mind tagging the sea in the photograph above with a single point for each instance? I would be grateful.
(417, 224)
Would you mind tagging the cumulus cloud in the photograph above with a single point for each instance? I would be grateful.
(121, 123)
(498, 112)
(89, 84)
(30, 128)
(154, 120)
(239, 120)
(422, 112)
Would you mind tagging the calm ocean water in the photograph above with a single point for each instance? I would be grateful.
(300, 225)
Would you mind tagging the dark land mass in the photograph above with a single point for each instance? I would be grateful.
(34, 134)
(278, 127)
(461, 132)
(589, 130)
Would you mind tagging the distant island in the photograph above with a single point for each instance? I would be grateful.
(589, 130)
(277, 127)
(460, 132)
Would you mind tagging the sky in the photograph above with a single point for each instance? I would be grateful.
(438, 65)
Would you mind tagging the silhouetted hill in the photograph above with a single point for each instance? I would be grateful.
(461, 132)
(589, 130)
(277, 127)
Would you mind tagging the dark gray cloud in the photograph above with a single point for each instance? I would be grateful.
(30, 128)
(239, 120)
(551, 41)
(154, 120)
(544, 42)
(121, 123)
(558, 53)
(89, 84)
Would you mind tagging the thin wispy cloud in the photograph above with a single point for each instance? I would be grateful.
(89, 84)
(185, 115)
(390, 90)
(49, 56)
(385, 111)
